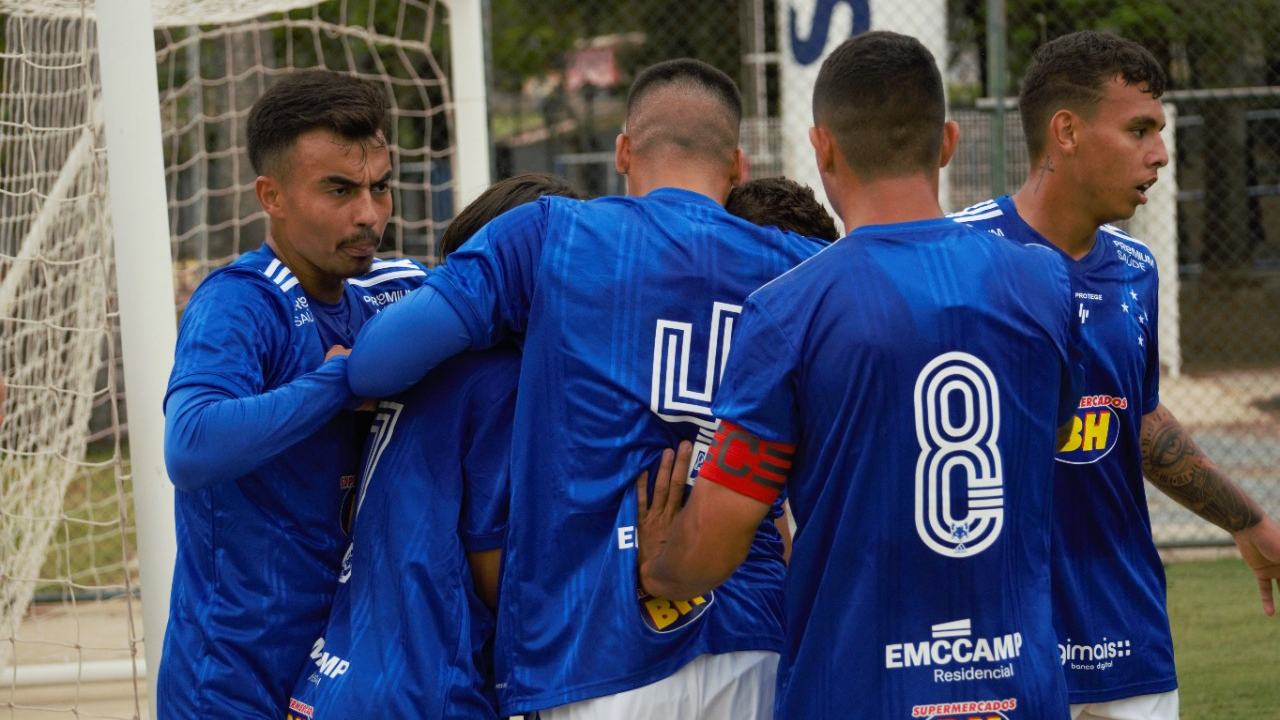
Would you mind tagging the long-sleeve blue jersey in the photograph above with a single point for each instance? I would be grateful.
(264, 454)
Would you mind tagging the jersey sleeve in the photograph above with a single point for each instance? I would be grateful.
(221, 421)
(755, 444)
(490, 280)
(487, 460)
(475, 299)
(757, 392)
(231, 337)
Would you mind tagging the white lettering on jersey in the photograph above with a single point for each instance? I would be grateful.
(964, 649)
(957, 406)
(672, 398)
(329, 665)
(626, 537)
(382, 429)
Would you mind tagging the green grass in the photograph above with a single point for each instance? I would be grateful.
(1227, 651)
(87, 555)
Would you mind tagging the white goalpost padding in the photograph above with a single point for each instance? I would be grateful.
(144, 275)
(119, 120)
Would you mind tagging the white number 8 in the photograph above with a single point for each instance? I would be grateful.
(957, 423)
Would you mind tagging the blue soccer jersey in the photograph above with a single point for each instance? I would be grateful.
(405, 637)
(259, 521)
(920, 370)
(1109, 586)
(626, 307)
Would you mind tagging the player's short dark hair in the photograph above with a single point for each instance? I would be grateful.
(350, 107)
(1071, 73)
(708, 132)
(497, 199)
(880, 95)
(785, 204)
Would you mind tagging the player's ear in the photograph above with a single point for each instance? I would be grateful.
(950, 138)
(823, 149)
(622, 154)
(1064, 129)
(270, 195)
(739, 170)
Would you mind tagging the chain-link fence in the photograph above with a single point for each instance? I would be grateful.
(559, 73)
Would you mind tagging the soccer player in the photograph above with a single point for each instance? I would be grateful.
(905, 385)
(415, 596)
(782, 203)
(1090, 106)
(262, 437)
(624, 305)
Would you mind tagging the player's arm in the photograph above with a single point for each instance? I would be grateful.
(482, 294)
(399, 345)
(1174, 463)
(213, 435)
(691, 551)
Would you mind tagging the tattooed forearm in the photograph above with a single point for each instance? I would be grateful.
(1174, 463)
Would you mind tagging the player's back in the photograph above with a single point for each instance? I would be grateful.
(407, 629)
(929, 364)
(630, 307)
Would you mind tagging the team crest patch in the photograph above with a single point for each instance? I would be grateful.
(664, 616)
(1095, 427)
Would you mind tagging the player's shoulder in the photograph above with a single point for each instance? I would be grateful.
(256, 277)
(975, 214)
(392, 273)
(1129, 250)
(813, 272)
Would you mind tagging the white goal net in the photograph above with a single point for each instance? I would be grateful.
(70, 622)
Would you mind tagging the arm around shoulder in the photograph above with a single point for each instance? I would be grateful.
(399, 345)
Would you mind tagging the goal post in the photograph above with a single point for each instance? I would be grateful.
(144, 282)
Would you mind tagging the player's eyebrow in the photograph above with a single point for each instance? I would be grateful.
(344, 181)
(1146, 121)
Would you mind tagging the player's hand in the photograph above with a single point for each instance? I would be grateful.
(653, 523)
(337, 350)
(1260, 548)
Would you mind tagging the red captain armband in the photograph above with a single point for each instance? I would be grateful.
(746, 464)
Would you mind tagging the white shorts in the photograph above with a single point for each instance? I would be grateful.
(732, 686)
(1161, 706)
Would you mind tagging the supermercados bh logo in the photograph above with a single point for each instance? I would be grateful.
(956, 656)
(664, 616)
(1094, 429)
(299, 710)
(971, 710)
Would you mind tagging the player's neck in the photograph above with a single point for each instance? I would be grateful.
(1056, 215)
(887, 201)
(318, 285)
(683, 176)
